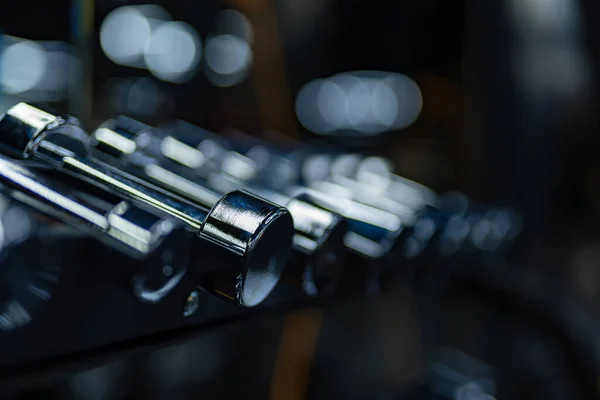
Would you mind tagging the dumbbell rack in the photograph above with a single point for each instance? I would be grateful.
(139, 264)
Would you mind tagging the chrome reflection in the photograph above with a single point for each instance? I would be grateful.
(137, 233)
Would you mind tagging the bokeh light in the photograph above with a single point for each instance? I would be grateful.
(22, 66)
(362, 102)
(37, 70)
(173, 52)
(145, 37)
(228, 59)
(307, 108)
(332, 103)
(124, 34)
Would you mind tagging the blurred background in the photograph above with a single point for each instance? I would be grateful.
(495, 99)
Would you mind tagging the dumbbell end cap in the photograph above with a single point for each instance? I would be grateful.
(258, 235)
(325, 267)
(24, 126)
(319, 244)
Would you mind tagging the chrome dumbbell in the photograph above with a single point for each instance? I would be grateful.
(242, 243)
(318, 249)
(147, 242)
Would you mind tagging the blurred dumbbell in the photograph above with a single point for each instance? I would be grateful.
(384, 228)
(434, 226)
(305, 165)
(242, 243)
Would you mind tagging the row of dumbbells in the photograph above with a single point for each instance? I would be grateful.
(236, 213)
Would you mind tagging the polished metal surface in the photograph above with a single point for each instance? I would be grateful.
(59, 148)
(372, 232)
(152, 241)
(320, 239)
(259, 232)
(172, 164)
(21, 127)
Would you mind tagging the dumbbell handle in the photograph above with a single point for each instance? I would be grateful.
(123, 225)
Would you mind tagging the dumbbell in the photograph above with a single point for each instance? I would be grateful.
(45, 229)
(318, 249)
(242, 244)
